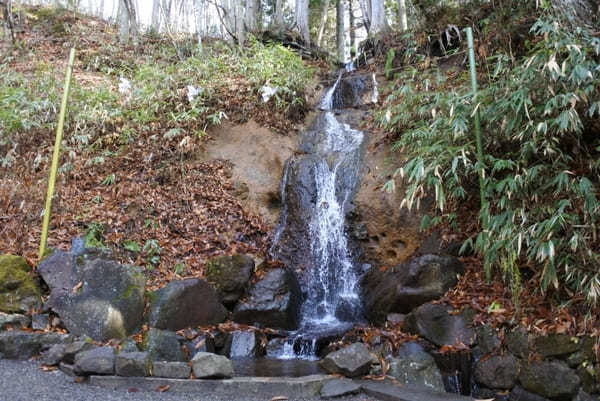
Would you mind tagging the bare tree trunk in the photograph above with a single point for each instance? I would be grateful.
(324, 16)
(279, 16)
(402, 19)
(352, 29)
(252, 15)
(378, 20)
(240, 30)
(155, 22)
(302, 20)
(340, 32)
(365, 9)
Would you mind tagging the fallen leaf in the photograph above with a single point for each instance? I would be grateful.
(77, 287)
(279, 398)
(162, 389)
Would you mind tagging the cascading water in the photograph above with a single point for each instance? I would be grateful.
(323, 181)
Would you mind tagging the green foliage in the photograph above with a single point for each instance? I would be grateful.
(151, 251)
(540, 118)
(132, 246)
(94, 237)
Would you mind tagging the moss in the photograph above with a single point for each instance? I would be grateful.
(16, 283)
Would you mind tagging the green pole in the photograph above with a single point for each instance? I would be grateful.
(56, 155)
(476, 117)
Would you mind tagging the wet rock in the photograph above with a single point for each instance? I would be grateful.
(133, 364)
(339, 388)
(553, 380)
(94, 296)
(185, 303)
(273, 302)
(487, 338)
(40, 322)
(556, 345)
(19, 291)
(435, 324)
(351, 361)
(519, 394)
(211, 366)
(230, 275)
(14, 321)
(244, 344)
(54, 355)
(275, 347)
(24, 345)
(408, 285)
(171, 370)
(98, 361)
(497, 372)
(414, 366)
(517, 342)
(163, 345)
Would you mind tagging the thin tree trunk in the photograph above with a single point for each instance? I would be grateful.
(340, 32)
(279, 16)
(378, 20)
(402, 19)
(324, 16)
(155, 22)
(252, 15)
(199, 21)
(352, 28)
(302, 20)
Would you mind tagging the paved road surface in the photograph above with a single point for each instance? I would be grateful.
(25, 381)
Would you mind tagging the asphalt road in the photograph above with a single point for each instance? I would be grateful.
(25, 381)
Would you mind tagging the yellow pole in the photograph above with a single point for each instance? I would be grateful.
(56, 155)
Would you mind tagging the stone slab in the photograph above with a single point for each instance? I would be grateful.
(391, 392)
(291, 387)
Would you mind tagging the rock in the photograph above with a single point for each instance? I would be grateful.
(414, 366)
(589, 381)
(185, 303)
(171, 370)
(54, 355)
(212, 366)
(408, 285)
(351, 361)
(273, 302)
(339, 387)
(482, 393)
(97, 361)
(76, 347)
(583, 396)
(132, 364)
(129, 345)
(497, 372)
(94, 296)
(556, 345)
(40, 322)
(517, 342)
(553, 380)
(275, 347)
(244, 344)
(24, 345)
(19, 291)
(163, 345)
(230, 275)
(487, 338)
(203, 343)
(435, 324)
(396, 318)
(14, 321)
(518, 394)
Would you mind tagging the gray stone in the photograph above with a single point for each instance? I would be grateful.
(40, 322)
(76, 347)
(487, 338)
(19, 290)
(98, 361)
(275, 347)
(351, 361)
(133, 364)
(129, 345)
(391, 392)
(208, 366)
(498, 372)
(163, 345)
(244, 344)
(24, 345)
(203, 343)
(172, 370)
(434, 323)
(396, 318)
(14, 321)
(94, 296)
(553, 380)
(588, 375)
(408, 285)
(519, 394)
(339, 387)
(185, 303)
(556, 345)
(230, 274)
(414, 366)
(517, 342)
(273, 302)
(54, 355)
(583, 396)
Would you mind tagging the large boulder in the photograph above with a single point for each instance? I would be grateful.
(273, 302)
(185, 303)
(19, 291)
(98, 361)
(408, 285)
(163, 345)
(413, 366)
(230, 274)
(94, 296)
(211, 366)
(133, 364)
(351, 361)
(498, 372)
(436, 324)
(24, 345)
(550, 379)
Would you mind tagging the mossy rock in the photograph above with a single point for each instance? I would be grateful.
(19, 290)
(230, 275)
